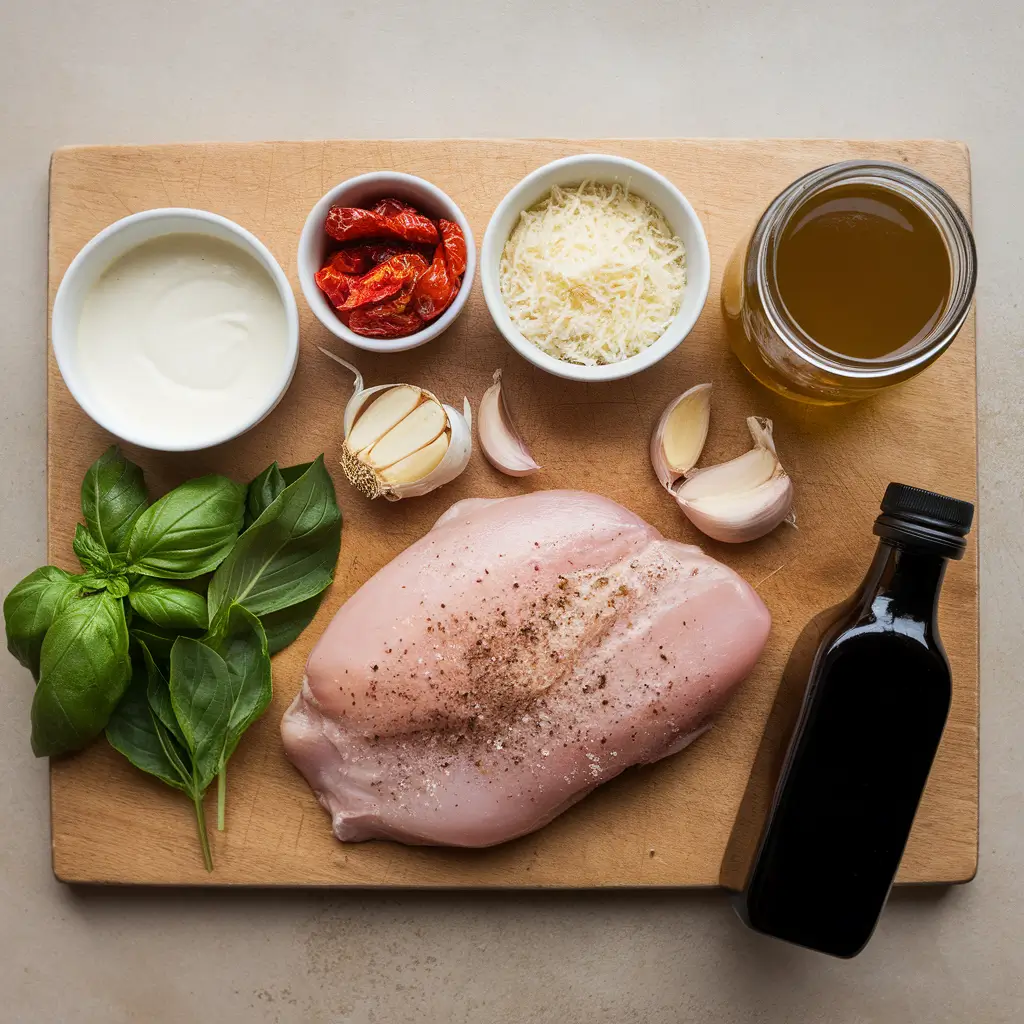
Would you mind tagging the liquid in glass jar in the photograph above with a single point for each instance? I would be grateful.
(856, 277)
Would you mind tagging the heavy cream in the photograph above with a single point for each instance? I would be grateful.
(183, 339)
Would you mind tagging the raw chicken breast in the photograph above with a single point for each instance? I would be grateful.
(524, 651)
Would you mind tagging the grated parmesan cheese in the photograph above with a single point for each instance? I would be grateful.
(592, 274)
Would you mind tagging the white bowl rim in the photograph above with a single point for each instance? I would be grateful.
(654, 352)
(269, 263)
(313, 295)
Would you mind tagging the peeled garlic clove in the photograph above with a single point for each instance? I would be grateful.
(385, 412)
(742, 499)
(416, 466)
(400, 440)
(679, 437)
(418, 429)
(500, 440)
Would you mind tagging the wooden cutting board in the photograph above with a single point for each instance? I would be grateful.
(665, 825)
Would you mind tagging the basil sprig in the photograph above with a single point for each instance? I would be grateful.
(177, 690)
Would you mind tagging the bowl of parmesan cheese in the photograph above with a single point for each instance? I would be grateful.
(595, 267)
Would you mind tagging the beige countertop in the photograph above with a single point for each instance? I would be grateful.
(195, 70)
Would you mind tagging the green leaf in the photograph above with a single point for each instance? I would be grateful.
(200, 697)
(283, 627)
(261, 492)
(288, 555)
(159, 695)
(292, 473)
(267, 486)
(113, 497)
(159, 641)
(135, 731)
(188, 531)
(167, 605)
(83, 671)
(90, 552)
(31, 607)
(244, 650)
(117, 586)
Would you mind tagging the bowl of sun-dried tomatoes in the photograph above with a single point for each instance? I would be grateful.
(386, 261)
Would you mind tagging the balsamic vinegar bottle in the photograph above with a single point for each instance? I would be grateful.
(877, 696)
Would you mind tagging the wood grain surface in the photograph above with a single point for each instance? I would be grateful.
(664, 825)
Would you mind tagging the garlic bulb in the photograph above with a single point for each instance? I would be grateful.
(742, 499)
(679, 437)
(401, 441)
(499, 439)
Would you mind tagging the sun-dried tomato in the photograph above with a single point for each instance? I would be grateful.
(352, 260)
(374, 253)
(385, 280)
(435, 288)
(390, 319)
(406, 222)
(377, 322)
(334, 281)
(345, 223)
(390, 207)
(454, 242)
(389, 219)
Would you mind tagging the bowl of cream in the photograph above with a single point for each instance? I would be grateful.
(175, 329)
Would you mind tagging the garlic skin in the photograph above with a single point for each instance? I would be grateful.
(742, 499)
(501, 442)
(401, 441)
(679, 437)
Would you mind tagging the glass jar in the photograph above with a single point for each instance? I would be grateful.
(772, 345)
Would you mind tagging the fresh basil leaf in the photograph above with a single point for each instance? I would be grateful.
(283, 627)
(289, 474)
(134, 730)
(244, 650)
(159, 641)
(159, 695)
(261, 492)
(90, 552)
(200, 697)
(83, 671)
(188, 531)
(143, 735)
(167, 605)
(31, 607)
(288, 554)
(117, 586)
(267, 486)
(113, 497)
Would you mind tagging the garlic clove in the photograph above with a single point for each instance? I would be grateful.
(742, 499)
(409, 435)
(456, 458)
(501, 442)
(416, 466)
(739, 517)
(406, 448)
(740, 474)
(386, 411)
(679, 436)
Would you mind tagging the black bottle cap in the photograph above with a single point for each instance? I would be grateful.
(916, 516)
(902, 499)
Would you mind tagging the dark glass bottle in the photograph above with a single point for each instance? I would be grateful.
(877, 696)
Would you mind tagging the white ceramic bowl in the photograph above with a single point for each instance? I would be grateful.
(110, 245)
(644, 182)
(365, 190)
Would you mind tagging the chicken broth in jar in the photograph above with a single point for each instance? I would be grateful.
(855, 278)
